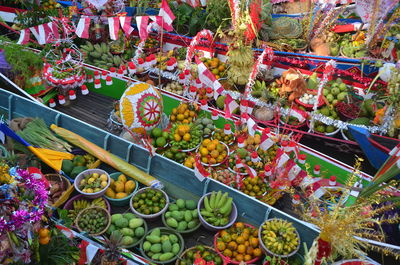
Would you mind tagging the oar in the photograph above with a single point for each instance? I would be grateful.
(52, 158)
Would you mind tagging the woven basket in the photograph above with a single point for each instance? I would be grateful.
(106, 213)
(65, 195)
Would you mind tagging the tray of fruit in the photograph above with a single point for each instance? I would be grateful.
(121, 189)
(205, 253)
(182, 216)
(279, 238)
(225, 176)
(130, 226)
(186, 137)
(174, 87)
(219, 135)
(269, 154)
(162, 245)
(184, 113)
(92, 183)
(254, 187)
(79, 202)
(159, 138)
(149, 203)
(217, 211)
(206, 125)
(239, 243)
(217, 67)
(151, 46)
(292, 122)
(213, 152)
(308, 100)
(244, 155)
(93, 220)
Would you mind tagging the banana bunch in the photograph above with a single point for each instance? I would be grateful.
(100, 55)
(80, 205)
(258, 88)
(279, 236)
(241, 61)
(217, 208)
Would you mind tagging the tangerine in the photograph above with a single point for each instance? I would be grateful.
(214, 154)
(239, 257)
(177, 137)
(180, 117)
(44, 240)
(257, 252)
(241, 248)
(204, 151)
(247, 257)
(226, 237)
(221, 246)
(43, 232)
(211, 147)
(232, 245)
(186, 137)
(227, 253)
(254, 242)
(240, 240)
(206, 142)
(213, 161)
(192, 113)
(249, 250)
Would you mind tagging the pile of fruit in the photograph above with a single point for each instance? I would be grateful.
(79, 205)
(348, 110)
(80, 163)
(217, 67)
(131, 227)
(252, 142)
(268, 155)
(280, 237)
(149, 201)
(121, 188)
(258, 88)
(175, 154)
(213, 152)
(190, 162)
(50, 4)
(205, 124)
(217, 208)
(100, 55)
(185, 136)
(184, 113)
(159, 138)
(63, 74)
(220, 135)
(203, 252)
(93, 220)
(149, 44)
(182, 215)
(161, 245)
(239, 243)
(352, 49)
(291, 120)
(93, 182)
(224, 176)
(244, 155)
(254, 187)
(335, 91)
(174, 87)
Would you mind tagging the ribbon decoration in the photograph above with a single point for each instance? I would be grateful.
(208, 78)
(24, 36)
(167, 16)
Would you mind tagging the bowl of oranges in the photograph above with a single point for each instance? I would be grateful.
(213, 152)
(92, 183)
(184, 113)
(239, 243)
(121, 189)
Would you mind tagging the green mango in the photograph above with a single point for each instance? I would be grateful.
(188, 216)
(180, 203)
(146, 246)
(176, 248)
(190, 204)
(156, 248)
(177, 215)
(173, 238)
(166, 246)
(192, 224)
(166, 256)
(172, 222)
(153, 239)
(182, 226)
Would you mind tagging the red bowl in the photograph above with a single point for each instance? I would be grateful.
(228, 260)
(321, 102)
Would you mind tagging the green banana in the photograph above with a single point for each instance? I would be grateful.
(207, 204)
(95, 54)
(212, 200)
(222, 201)
(90, 46)
(227, 207)
(217, 199)
(205, 213)
(97, 48)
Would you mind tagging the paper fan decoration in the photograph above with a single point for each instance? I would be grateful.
(141, 107)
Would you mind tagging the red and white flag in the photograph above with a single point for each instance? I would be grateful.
(142, 23)
(167, 16)
(281, 158)
(193, 3)
(113, 27)
(298, 114)
(82, 29)
(39, 33)
(239, 164)
(266, 141)
(230, 106)
(251, 126)
(126, 25)
(246, 106)
(24, 36)
(208, 78)
(199, 170)
(54, 30)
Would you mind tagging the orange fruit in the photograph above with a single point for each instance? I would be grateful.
(180, 117)
(214, 153)
(234, 236)
(234, 253)
(174, 111)
(227, 253)
(43, 232)
(44, 240)
(247, 257)
(186, 137)
(232, 245)
(239, 257)
(119, 186)
(241, 248)
(192, 113)
(254, 242)
(185, 121)
(247, 243)
(221, 246)
(257, 252)
(173, 118)
(245, 235)
(240, 240)
(211, 147)
(222, 233)
(206, 142)
(255, 233)
(181, 130)
(204, 151)
(204, 160)
(213, 161)
(186, 114)
(249, 250)
(177, 138)
(226, 238)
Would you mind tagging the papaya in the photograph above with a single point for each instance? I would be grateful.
(67, 166)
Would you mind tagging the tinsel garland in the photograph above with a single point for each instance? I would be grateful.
(28, 212)
(164, 74)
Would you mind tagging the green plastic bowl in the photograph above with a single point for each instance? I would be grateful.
(123, 201)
